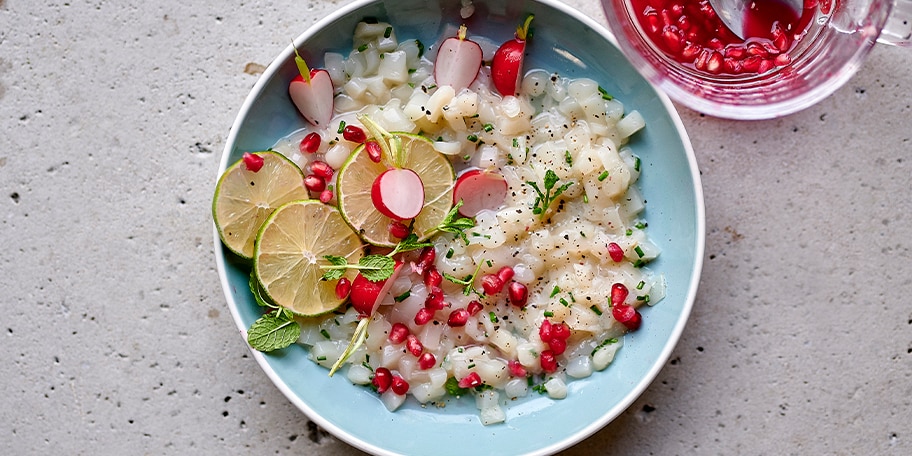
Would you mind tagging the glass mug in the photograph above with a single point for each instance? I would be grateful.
(837, 35)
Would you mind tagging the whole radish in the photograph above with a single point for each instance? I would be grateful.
(506, 66)
(311, 91)
(458, 61)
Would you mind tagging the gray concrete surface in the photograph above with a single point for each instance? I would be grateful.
(116, 338)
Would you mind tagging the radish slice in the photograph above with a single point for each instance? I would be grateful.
(479, 190)
(313, 99)
(458, 61)
(366, 295)
(506, 66)
(398, 193)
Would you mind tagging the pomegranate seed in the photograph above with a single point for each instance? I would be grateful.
(519, 294)
(399, 385)
(505, 274)
(382, 380)
(544, 331)
(314, 183)
(548, 361)
(434, 300)
(751, 64)
(425, 259)
(756, 49)
(627, 315)
(470, 381)
(354, 134)
(310, 143)
(413, 345)
(253, 162)
(615, 252)
(653, 24)
(343, 288)
(424, 316)
(560, 331)
(398, 333)
(517, 369)
(491, 284)
(322, 169)
(714, 65)
(619, 294)
(432, 277)
(398, 230)
(782, 60)
(458, 317)
(673, 40)
(326, 196)
(558, 346)
(765, 65)
(690, 53)
(374, 151)
(735, 52)
(427, 361)
(474, 307)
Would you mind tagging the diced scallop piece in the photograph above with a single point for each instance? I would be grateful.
(440, 98)
(425, 392)
(614, 110)
(411, 49)
(334, 63)
(337, 154)
(394, 68)
(491, 411)
(579, 367)
(533, 84)
(604, 355)
(391, 400)
(448, 147)
(359, 375)
(556, 388)
(367, 31)
(355, 88)
(630, 124)
(582, 88)
(516, 388)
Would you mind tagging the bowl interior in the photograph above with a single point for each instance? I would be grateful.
(564, 41)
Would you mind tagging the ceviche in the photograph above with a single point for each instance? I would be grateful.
(448, 224)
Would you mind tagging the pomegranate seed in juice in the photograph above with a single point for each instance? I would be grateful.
(544, 331)
(252, 162)
(432, 277)
(548, 361)
(619, 294)
(474, 307)
(398, 230)
(311, 143)
(558, 346)
(398, 333)
(615, 252)
(491, 284)
(435, 299)
(354, 134)
(425, 259)
(627, 315)
(374, 151)
(343, 288)
(424, 316)
(691, 33)
(560, 331)
(399, 385)
(505, 274)
(516, 369)
(382, 380)
(326, 196)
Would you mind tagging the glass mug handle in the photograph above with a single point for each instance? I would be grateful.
(897, 31)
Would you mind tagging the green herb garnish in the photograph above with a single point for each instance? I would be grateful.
(546, 197)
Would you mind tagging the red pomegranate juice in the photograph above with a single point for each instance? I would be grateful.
(690, 32)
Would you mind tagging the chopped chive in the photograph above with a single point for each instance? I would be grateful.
(585, 201)
(489, 263)
(403, 296)
(571, 296)
(466, 157)
(636, 163)
(470, 366)
(604, 343)
(529, 380)
(639, 264)
(432, 86)
(515, 142)
(362, 48)
(639, 251)
(603, 176)
(324, 333)
(595, 309)
(605, 95)
(549, 314)
(387, 32)
(568, 158)
(488, 127)
(321, 358)
(412, 70)
(341, 127)
(564, 302)
(472, 138)
(643, 298)
(411, 85)
(555, 291)
(641, 285)
(640, 226)
(367, 366)
(492, 317)
(449, 253)
(629, 232)
(420, 47)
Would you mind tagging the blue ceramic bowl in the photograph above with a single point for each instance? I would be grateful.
(570, 43)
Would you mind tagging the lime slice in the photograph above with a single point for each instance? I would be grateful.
(357, 175)
(289, 252)
(243, 198)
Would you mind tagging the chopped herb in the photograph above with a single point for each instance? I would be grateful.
(403, 296)
(640, 225)
(604, 344)
(373, 267)
(639, 264)
(568, 158)
(489, 263)
(432, 86)
(643, 298)
(564, 302)
(640, 285)
(321, 358)
(548, 314)
(449, 253)
(466, 157)
(468, 284)
(540, 388)
(492, 317)
(412, 70)
(636, 163)
(362, 48)
(585, 201)
(452, 223)
(515, 142)
(488, 127)
(554, 291)
(571, 296)
(452, 387)
(470, 366)
(387, 32)
(325, 333)
(472, 138)
(639, 251)
(367, 366)
(605, 95)
(595, 309)
(603, 176)
(341, 127)
(628, 232)
(420, 48)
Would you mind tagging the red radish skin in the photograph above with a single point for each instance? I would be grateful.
(253, 162)
(313, 99)
(458, 61)
(398, 193)
(365, 295)
(479, 190)
(506, 66)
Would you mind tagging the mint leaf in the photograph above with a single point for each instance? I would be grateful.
(544, 199)
(408, 244)
(273, 331)
(456, 225)
(376, 267)
(334, 273)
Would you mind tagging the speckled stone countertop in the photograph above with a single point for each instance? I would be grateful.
(117, 338)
